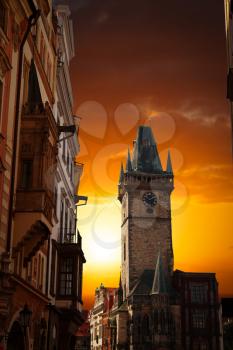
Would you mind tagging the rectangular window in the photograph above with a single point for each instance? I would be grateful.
(3, 16)
(26, 173)
(71, 171)
(66, 222)
(100, 331)
(53, 266)
(64, 150)
(66, 276)
(55, 200)
(61, 220)
(68, 161)
(198, 319)
(198, 293)
(41, 281)
(26, 69)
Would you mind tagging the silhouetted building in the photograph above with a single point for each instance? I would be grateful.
(227, 319)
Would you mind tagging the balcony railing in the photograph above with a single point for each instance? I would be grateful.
(69, 236)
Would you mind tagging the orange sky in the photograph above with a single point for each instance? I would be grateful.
(164, 65)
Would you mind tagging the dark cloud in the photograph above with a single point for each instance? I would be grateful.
(163, 56)
(128, 50)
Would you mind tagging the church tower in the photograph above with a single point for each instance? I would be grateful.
(144, 192)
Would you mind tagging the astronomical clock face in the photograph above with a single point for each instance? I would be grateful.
(149, 199)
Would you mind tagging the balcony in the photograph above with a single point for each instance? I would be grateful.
(35, 201)
(69, 236)
(70, 242)
(70, 261)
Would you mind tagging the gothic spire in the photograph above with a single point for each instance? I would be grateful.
(145, 156)
(169, 164)
(159, 283)
(129, 163)
(121, 177)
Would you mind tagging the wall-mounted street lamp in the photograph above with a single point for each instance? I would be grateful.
(80, 199)
(70, 129)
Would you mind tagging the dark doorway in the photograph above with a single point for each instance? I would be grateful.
(15, 339)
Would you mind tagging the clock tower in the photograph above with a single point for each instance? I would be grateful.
(144, 192)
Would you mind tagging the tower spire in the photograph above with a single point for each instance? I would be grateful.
(159, 283)
(129, 163)
(169, 164)
(145, 155)
(121, 177)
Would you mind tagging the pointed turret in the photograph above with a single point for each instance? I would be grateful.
(169, 164)
(119, 293)
(121, 177)
(159, 283)
(129, 163)
(145, 156)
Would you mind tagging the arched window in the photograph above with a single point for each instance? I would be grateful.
(15, 338)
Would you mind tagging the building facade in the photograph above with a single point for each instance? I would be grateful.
(228, 4)
(156, 307)
(40, 247)
(100, 330)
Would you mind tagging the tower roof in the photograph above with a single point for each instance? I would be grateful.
(169, 164)
(159, 284)
(145, 155)
(129, 163)
(121, 177)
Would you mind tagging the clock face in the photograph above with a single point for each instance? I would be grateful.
(149, 199)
